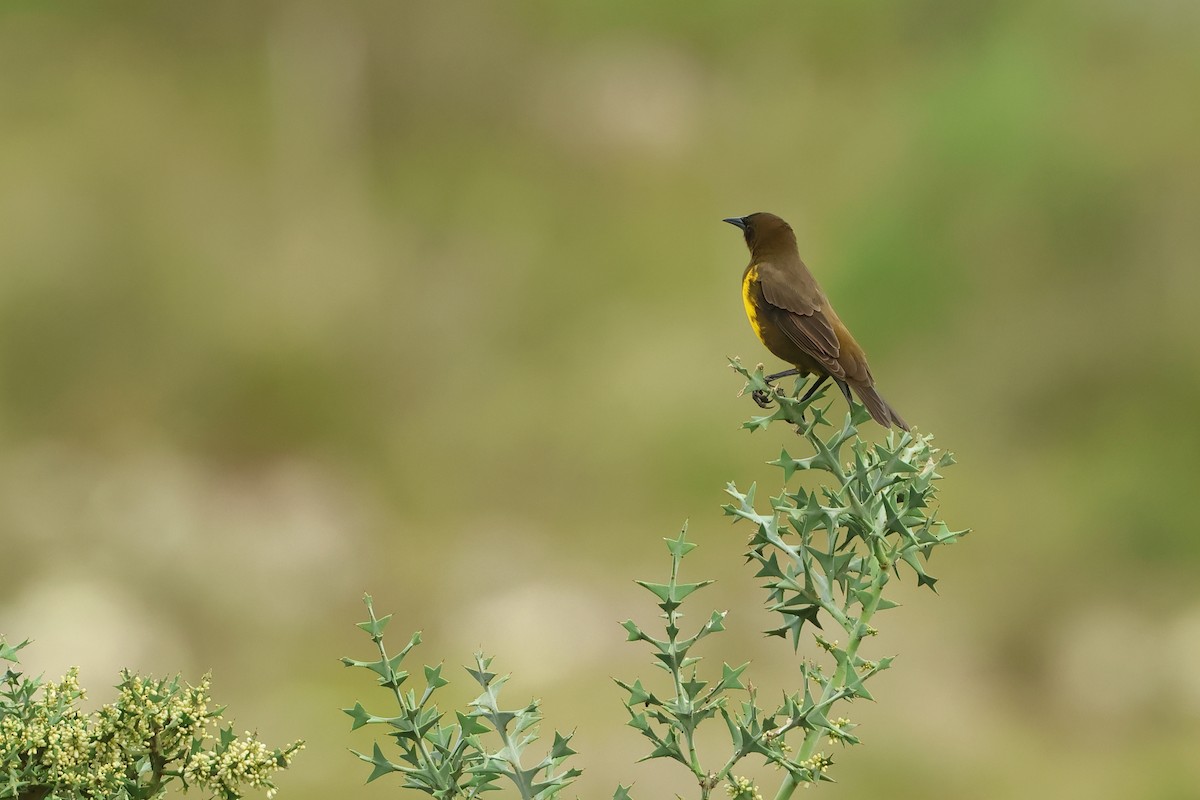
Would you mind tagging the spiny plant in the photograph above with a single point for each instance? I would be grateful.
(466, 757)
(825, 554)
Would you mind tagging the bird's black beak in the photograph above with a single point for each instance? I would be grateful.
(738, 221)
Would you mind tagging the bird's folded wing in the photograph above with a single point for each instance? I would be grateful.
(800, 316)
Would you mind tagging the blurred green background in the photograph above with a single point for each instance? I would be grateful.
(299, 300)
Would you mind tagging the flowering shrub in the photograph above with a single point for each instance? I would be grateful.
(157, 732)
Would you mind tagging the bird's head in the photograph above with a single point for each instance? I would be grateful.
(763, 231)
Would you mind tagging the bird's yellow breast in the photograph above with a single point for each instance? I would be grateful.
(749, 283)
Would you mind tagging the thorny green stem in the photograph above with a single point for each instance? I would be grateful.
(409, 712)
(512, 752)
(729, 765)
(869, 608)
(857, 632)
(680, 693)
(157, 765)
(787, 787)
(835, 468)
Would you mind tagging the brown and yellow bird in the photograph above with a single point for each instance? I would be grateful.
(794, 319)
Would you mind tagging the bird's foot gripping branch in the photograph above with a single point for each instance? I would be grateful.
(825, 552)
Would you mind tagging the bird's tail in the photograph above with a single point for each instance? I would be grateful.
(881, 412)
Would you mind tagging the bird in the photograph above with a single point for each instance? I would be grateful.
(794, 320)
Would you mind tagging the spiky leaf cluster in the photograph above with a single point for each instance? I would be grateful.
(468, 756)
(825, 554)
(827, 551)
(670, 721)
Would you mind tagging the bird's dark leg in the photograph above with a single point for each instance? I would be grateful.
(813, 389)
(845, 387)
(786, 373)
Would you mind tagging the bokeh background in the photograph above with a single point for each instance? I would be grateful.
(433, 300)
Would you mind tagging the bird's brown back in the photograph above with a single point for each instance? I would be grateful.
(798, 305)
(795, 320)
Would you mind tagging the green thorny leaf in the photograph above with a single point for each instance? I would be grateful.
(825, 554)
(455, 760)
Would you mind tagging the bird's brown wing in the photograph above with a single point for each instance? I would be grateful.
(798, 307)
